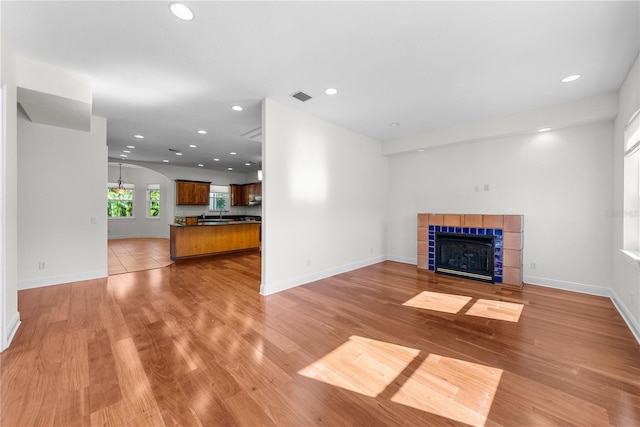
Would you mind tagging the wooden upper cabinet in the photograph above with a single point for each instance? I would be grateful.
(192, 192)
(237, 194)
(201, 196)
(254, 194)
(245, 194)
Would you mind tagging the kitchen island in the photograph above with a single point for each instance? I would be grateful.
(209, 238)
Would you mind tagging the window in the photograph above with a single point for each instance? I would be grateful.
(120, 202)
(153, 201)
(219, 198)
(631, 220)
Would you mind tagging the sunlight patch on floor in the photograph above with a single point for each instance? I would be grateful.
(447, 303)
(498, 310)
(361, 365)
(452, 388)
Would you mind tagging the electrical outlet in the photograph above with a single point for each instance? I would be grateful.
(486, 187)
(534, 265)
(42, 265)
(476, 188)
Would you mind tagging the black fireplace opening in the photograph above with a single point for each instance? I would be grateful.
(464, 255)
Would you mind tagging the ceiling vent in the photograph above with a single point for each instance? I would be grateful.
(254, 134)
(301, 96)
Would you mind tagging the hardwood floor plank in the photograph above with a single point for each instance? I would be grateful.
(134, 383)
(72, 408)
(206, 402)
(194, 344)
(104, 388)
(114, 415)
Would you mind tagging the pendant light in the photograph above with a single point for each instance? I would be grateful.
(120, 188)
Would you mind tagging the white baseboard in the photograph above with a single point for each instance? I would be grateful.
(631, 322)
(12, 328)
(602, 291)
(58, 280)
(301, 280)
(402, 259)
(139, 236)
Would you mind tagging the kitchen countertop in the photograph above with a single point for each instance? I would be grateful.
(216, 223)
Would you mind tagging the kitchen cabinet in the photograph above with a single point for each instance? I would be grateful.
(192, 192)
(246, 194)
(187, 241)
(237, 195)
(254, 194)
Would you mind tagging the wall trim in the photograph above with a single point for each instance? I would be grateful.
(631, 322)
(302, 280)
(12, 328)
(139, 236)
(402, 259)
(59, 280)
(602, 291)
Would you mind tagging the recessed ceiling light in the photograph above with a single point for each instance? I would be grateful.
(178, 154)
(331, 91)
(202, 132)
(166, 161)
(123, 155)
(192, 145)
(126, 151)
(421, 150)
(216, 159)
(394, 124)
(138, 136)
(200, 165)
(229, 169)
(237, 108)
(181, 11)
(544, 130)
(131, 146)
(247, 164)
(233, 153)
(571, 78)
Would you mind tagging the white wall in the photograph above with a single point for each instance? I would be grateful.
(62, 175)
(626, 273)
(559, 180)
(10, 317)
(324, 199)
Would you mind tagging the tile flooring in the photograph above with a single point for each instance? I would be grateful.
(127, 255)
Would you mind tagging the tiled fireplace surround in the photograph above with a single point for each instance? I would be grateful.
(510, 227)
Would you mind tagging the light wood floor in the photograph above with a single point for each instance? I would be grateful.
(194, 344)
(127, 255)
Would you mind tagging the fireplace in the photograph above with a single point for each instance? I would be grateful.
(465, 255)
(506, 232)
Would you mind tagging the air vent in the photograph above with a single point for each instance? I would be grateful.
(301, 96)
(254, 134)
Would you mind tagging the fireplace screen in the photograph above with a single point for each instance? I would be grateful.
(469, 256)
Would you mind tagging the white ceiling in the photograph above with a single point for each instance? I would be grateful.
(424, 65)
